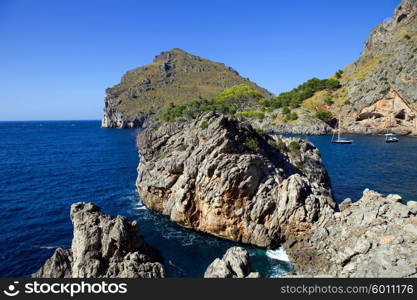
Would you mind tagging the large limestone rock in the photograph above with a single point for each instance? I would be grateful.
(103, 246)
(234, 264)
(374, 237)
(219, 176)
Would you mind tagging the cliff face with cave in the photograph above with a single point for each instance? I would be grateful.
(381, 86)
(389, 113)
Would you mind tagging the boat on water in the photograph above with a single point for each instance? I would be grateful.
(339, 139)
(390, 138)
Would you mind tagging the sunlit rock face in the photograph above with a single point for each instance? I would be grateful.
(219, 176)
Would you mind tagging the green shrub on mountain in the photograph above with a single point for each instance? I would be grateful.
(194, 108)
(338, 74)
(252, 114)
(291, 116)
(239, 96)
(328, 100)
(324, 115)
(296, 96)
(230, 101)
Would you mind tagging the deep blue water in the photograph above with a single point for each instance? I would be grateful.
(370, 163)
(47, 166)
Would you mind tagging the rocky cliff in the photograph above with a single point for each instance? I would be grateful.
(220, 176)
(174, 76)
(381, 86)
(103, 246)
(377, 93)
(373, 237)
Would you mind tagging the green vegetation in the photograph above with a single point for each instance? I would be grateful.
(294, 148)
(192, 109)
(183, 147)
(262, 133)
(296, 96)
(295, 152)
(164, 155)
(278, 144)
(328, 100)
(230, 101)
(366, 66)
(242, 100)
(291, 116)
(204, 125)
(252, 114)
(251, 143)
(324, 115)
(239, 96)
(338, 74)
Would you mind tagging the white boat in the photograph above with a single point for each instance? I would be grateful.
(339, 139)
(390, 138)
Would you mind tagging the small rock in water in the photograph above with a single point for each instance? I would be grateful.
(234, 264)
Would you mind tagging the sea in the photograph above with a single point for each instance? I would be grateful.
(45, 166)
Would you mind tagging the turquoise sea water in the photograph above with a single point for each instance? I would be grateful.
(47, 166)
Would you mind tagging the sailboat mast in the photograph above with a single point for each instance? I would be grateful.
(338, 129)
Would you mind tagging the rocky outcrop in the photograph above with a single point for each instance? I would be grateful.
(373, 237)
(378, 91)
(385, 73)
(319, 128)
(390, 113)
(103, 246)
(174, 77)
(219, 176)
(234, 264)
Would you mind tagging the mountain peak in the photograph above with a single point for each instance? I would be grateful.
(175, 76)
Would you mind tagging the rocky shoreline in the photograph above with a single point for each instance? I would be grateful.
(220, 176)
(276, 192)
(373, 237)
(320, 128)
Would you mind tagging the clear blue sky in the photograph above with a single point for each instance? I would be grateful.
(58, 57)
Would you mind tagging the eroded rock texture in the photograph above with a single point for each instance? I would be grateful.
(234, 264)
(374, 237)
(103, 246)
(220, 176)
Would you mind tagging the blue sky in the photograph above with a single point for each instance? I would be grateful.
(58, 57)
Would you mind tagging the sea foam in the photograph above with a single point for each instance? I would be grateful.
(278, 254)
